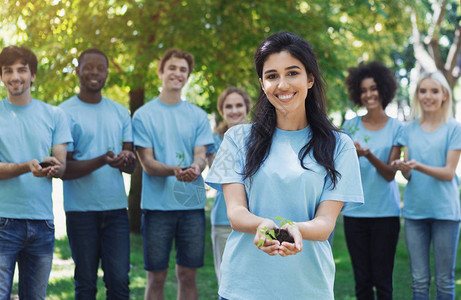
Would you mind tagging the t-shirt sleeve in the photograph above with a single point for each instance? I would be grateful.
(127, 127)
(140, 133)
(455, 137)
(204, 135)
(72, 125)
(62, 133)
(397, 132)
(348, 187)
(402, 137)
(228, 164)
(213, 148)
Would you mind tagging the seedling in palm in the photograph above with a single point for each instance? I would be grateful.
(282, 235)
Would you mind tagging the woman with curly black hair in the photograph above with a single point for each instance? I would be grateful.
(372, 230)
(290, 163)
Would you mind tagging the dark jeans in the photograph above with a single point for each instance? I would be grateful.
(105, 236)
(31, 244)
(372, 243)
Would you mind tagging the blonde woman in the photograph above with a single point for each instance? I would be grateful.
(431, 202)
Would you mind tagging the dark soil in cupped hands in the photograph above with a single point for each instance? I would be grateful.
(282, 235)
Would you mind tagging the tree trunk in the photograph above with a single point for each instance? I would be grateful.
(134, 197)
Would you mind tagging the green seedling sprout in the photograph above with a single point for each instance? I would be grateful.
(284, 221)
(270, 234)
(49, 152)
(181, 156)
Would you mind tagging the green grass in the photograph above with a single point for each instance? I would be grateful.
(61, 282)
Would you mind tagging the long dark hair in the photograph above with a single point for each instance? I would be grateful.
(323, 139)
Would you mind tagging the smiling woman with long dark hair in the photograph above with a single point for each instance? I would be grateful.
(290, 163)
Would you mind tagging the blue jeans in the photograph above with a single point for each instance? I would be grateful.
(95, 236)
(443, 235)
(31, 244)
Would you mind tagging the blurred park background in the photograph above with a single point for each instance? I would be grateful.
(409, 36)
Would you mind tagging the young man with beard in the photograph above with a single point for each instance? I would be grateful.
(94, 193)
(171, 137)
(30, 132)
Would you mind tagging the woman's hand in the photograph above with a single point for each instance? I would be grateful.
(413, 164)
(271, 247)
(404, 166)
(292, 248)
(361, 151)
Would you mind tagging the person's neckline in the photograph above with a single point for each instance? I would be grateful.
(89, 102)
(27, 105)
(292, 131)
(377, 130)
(431, 131)
(172, 104)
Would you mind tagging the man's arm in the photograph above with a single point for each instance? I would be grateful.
(79, 168)
(210, 158)
(58, 161)
(199, 158)
(11, 170)
(196, 167)
(152, 166)
(125, 161)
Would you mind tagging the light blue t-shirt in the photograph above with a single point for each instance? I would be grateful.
(425, 196)
(173, 131)
(27, 132)
(96, 129)
(282, 188)
(218, 214)
(382, 197)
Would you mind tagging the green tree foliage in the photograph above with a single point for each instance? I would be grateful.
(222, 34)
